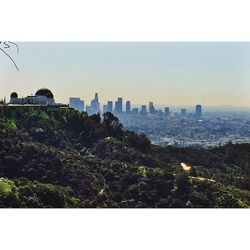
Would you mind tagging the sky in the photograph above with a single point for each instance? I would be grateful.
(170, 73)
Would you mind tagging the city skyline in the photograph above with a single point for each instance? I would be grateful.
(118, 107)
(96, 106)
(173, 74)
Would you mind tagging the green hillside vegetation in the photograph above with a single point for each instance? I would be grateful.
(62, 158)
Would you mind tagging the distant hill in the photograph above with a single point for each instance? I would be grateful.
(63, 158)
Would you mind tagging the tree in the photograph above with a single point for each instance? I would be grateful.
(182, 181)
(112, 124)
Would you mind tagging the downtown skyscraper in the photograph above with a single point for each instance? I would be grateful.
(198, 111)
(118, 105)
(94, 108)
(128, 107)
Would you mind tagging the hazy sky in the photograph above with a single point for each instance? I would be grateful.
(166, 73)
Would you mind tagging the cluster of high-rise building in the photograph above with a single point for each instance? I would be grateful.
(94, 108)
(118, 108)
(78, 104)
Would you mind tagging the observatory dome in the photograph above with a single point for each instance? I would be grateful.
(45, 92)
(14, 95)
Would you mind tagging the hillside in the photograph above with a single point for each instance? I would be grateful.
(63, 158)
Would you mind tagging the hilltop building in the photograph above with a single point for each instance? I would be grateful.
(43, 97)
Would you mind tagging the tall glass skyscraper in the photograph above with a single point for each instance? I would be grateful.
(167, 111)
(128, 107)
(118, 106)
(198, 111)
(94, 108)
(110, 106)
(151, 108)
(76, 103)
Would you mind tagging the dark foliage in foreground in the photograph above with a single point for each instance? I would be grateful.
(63, 158)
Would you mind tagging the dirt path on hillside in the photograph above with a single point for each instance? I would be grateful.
(185, 167)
